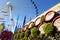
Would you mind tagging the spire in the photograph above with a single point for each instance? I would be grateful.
(24, 21)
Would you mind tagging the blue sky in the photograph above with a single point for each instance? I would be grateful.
(25, 7)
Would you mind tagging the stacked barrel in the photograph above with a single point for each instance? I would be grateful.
(51, 16)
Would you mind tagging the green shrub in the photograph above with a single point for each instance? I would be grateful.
(29, 38)
(16, 36)
(27, 32)
(22, 34)
(57, 35)
(32, 25)
(34, 32)
(48, 29)
(26, 38)
(41, 36)
(42, 19)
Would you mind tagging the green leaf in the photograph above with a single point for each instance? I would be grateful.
(48, 28)
(34, 32)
